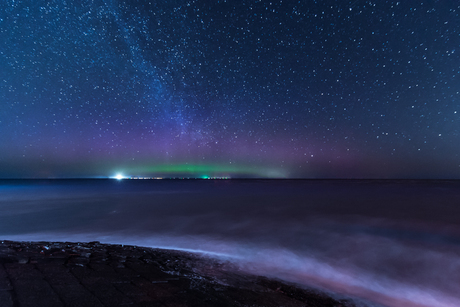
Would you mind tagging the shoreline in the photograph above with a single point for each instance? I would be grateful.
(97, 274)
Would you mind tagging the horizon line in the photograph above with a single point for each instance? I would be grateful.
(214, 178)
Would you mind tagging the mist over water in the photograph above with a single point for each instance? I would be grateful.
(392, 243)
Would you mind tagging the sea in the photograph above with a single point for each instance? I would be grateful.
(376, 242)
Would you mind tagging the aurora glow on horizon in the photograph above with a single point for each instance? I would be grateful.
(283, 89)
(203, 171)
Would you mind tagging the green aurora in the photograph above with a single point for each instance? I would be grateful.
(201, 171)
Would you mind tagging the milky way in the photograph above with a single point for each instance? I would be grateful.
(229, 88)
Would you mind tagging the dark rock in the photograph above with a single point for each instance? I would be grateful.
(95, 274)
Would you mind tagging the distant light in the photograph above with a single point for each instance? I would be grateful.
(119, 177)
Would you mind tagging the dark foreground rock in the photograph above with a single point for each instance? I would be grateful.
(94, 274)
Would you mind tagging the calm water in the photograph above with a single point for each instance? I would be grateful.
(392, 243)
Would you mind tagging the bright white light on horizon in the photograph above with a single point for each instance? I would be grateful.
(119, 176)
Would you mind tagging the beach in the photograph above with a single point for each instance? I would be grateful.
(95, 274)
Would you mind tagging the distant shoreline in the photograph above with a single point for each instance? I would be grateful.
(238, 179)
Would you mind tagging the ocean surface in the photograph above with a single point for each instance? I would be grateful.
(382, 242)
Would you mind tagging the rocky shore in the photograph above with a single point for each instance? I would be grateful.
(94, 274)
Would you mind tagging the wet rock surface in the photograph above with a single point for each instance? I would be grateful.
(95, 274)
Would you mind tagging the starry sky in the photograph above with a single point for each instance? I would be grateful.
(280, 89)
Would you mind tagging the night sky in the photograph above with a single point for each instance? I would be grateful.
(283, 89)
